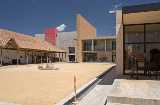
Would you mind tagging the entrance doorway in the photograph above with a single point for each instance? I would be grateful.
(71, 58)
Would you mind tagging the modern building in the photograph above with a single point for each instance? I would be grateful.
(83, 45)
(67, 42)
(138, 35)
(16, 48)
(99, 49)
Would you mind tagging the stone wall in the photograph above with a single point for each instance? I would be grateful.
(107, 55)
(83, 29)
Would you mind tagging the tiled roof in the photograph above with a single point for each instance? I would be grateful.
(26, 42)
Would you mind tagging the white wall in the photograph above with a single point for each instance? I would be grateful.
(8, 55)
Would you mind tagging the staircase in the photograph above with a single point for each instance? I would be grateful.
(134, 92)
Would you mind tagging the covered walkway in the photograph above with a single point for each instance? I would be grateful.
(16, 48)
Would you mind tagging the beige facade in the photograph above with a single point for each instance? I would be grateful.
(119, 43)
(83, 29)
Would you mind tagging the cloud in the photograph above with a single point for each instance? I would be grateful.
(114, 8)
(61, 27)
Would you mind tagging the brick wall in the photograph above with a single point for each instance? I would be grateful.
(83, 29)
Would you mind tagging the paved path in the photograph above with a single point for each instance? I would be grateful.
(98, 95)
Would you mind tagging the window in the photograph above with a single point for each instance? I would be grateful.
(141, 41)
(71, 49)
(113, 45)
(87, 46)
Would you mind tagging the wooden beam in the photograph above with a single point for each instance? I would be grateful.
(26, 57)
(59, 57)
(32, 56)
(17, 58)
(41, 56)
(65, 58)
(47, 56)
(1, 57)
(35, 57)
(62, 57)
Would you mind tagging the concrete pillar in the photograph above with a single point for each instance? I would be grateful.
(1, 57)
(92, 45)
(105, 44)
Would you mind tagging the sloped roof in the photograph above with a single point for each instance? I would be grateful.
(26, 42)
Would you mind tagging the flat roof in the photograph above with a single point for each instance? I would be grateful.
(99, 37)
(141, 8)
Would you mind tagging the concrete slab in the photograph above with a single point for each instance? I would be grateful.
(97, 96)
(139, 92)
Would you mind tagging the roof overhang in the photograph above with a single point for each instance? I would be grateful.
(140, 14)
(141, 17)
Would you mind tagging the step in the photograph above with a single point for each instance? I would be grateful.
(118, 104)
(139, 92)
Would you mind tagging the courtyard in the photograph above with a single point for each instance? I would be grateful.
(27, 85)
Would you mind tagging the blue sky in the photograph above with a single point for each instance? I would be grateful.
(34, 16)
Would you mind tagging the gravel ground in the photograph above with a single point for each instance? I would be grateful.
(27, 85)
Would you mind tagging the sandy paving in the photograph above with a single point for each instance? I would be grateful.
(27, 85)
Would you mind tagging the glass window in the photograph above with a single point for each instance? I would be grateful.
(87, 46)
(71, 49)
(153, 33)
(153, 52)
(134, 34)
(131, 51)
(113, 45)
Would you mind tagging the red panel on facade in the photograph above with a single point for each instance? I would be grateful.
(50, 35)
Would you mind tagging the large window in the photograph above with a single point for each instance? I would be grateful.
(87, 46)
(141, 41)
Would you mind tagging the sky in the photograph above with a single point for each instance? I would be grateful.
(32, 17)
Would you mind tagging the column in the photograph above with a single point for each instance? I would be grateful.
(62, 57)
(32, 56)
(92, 45)
(26, 57)
(59, 57)
(65, 58)
(1, 57)
(47, 56)
(17, 58)
(35, 57)
(105, 45)
(41, 56)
